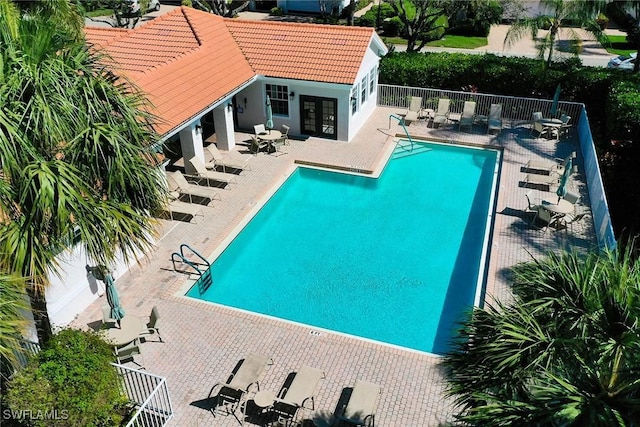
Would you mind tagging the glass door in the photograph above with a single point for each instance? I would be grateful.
(318, 116)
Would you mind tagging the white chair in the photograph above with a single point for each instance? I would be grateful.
(565, 127)
(284, 130)
(259, 129)
(494, 121)
(468, 114)
(441, 116)
(128, 352)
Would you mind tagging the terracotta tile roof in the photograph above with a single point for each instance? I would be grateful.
(184, 61)
(323, 53)
(187, 60)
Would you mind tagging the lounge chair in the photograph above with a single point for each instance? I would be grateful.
(298, 394)
(441, 116)
(178, 210)
(494, 121)
(415, 107)
(178, 183)
(360, 409)
(232, 160)
(548, 167)
(203, 172)
(231, 393)
(545, 181)
(468, 113)
(151, 328)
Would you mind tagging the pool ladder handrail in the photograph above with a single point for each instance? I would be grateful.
(401, 123)
(205, 280)
(182, 258)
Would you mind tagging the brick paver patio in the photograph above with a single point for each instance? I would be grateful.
(204, 342)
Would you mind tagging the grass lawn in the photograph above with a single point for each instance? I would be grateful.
(457, 42)
(99, 12)
(619, 45)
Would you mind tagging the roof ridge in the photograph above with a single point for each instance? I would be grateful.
(190, 22)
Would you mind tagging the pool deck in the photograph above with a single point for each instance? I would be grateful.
(204, 342)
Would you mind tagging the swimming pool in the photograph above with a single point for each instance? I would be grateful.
(396, 259)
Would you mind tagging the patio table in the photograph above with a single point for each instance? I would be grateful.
(129, 330)
(270, 137)
(556, 206)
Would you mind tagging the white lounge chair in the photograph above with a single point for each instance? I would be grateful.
(231, 393)
(494, 121)
(178, 210)
(545, 181)
(441, 116)
(415, 107)
(203, 172)
(178, 183)
(548, 167)
(298, 395)
(468, 113)
(362, 404)
(231, 160)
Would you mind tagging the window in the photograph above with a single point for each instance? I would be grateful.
(363, 90)
(279, 96)
(372, 80)
(354, 100)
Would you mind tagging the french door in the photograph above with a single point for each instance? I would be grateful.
(318, 116)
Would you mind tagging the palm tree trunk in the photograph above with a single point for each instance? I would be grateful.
(40, 315)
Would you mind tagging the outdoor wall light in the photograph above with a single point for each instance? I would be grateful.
(292, 95)
(230, 106)
(199, 129)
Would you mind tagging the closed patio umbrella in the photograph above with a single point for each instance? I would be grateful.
(564, 179)
(556, 100)
(117, 312)
(269, 123)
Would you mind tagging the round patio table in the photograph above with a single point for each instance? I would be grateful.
(556, 206)
(129, 330)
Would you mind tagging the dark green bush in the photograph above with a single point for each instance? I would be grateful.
(370, 18)
(71, 378)
(393, 27)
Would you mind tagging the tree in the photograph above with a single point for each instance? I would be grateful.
(75, 143)
(475, 17)
(562, 12)
(221, 7)
(13, 303)
(419, 18)
(626, 13)
(565, 351)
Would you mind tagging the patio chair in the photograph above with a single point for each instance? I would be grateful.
(259, 129)
(415, 107)
(284, 130)
(151, 328)
(546, 218)
(178, 183)
(441, 116)
(549, 167)
(571, 197)
(232, 160)
(468, 114)
(257, 144)
(360, 410)
(565, 127)
(494, 121)
(232, 394)
(128, 352)
(107, 320)
(568, 220)
(203, 172)
(298, 394)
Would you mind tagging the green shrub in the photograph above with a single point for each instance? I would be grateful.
(71, 378)
(393, 27)
(276, 11)
(370, 18)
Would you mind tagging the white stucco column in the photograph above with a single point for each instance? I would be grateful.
(191, 144)
(223, 121)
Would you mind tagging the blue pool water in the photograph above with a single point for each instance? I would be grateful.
(394, 259)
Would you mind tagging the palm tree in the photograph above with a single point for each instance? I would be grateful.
(12, 323)
(578, 12)
(565, 351)
(75, 146)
